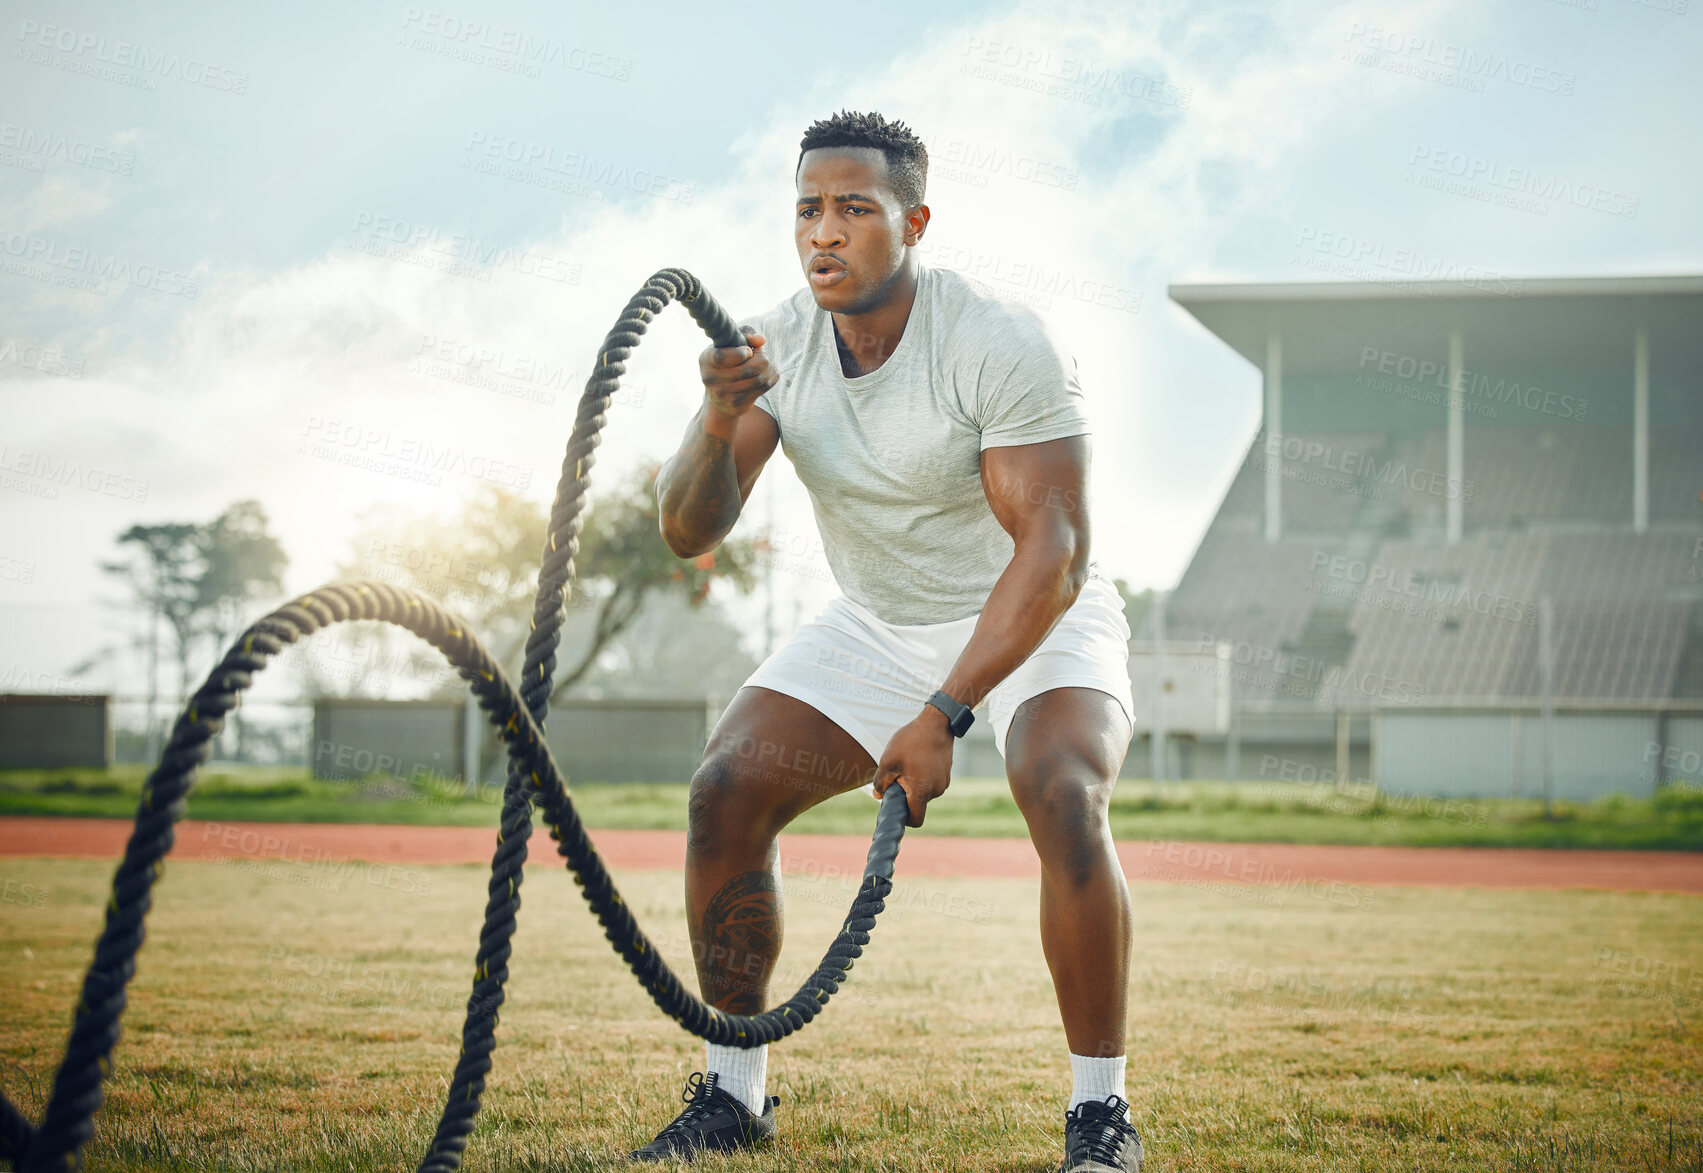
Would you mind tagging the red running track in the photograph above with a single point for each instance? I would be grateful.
(1326, 871)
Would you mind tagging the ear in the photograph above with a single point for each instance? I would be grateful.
(916, 223)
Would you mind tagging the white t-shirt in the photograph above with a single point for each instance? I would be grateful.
(892, 459)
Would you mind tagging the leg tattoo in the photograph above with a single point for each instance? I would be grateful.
(739, 942)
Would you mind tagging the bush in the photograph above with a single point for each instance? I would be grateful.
(1679, 800)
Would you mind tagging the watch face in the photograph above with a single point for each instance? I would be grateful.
(958, 717)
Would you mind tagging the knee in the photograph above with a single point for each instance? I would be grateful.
(723, 811)
(708, 800)
(1066, 808)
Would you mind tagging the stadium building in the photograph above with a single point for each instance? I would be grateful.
(1459, 491)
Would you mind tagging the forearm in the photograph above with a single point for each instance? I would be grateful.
(1038, 585)
(697, 490)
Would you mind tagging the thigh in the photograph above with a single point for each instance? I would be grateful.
(776, 756)
(866, 677)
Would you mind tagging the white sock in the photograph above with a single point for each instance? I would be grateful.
(742, 1072)
(1092, 1080)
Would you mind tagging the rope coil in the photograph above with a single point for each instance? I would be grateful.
(533, 779)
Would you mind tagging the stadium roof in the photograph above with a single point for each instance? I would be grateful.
(1326, 325)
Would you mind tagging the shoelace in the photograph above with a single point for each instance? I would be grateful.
(696, 1097)
(1100, 1134)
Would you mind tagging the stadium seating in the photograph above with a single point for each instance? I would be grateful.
(1381, 610)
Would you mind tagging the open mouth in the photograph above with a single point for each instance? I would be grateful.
(826, 271)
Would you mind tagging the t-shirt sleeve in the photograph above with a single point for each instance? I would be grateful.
(1034, 395)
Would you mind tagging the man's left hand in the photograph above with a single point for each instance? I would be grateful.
(919, 757)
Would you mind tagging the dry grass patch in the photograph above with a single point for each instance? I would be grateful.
(274, 1025)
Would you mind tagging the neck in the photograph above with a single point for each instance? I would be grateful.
(867, 340)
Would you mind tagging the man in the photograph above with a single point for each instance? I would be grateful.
(942, 440)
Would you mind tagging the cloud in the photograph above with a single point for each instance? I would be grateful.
(1082, 158)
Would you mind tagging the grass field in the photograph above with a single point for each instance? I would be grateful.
(276, 1023)
(1248, 812)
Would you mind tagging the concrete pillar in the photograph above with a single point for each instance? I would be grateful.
(1341, 749)
(1546, 685)
(472, 726)
(1157, 728)
(1372, 750)
(1455, 490)
(1273, 436)
(1516, 754)
(1233, 748)
(1641, 430)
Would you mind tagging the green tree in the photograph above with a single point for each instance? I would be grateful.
(240, 563)
(200, 579)
(624, 561)
(161, 573)
(673, 640)
(482, 562)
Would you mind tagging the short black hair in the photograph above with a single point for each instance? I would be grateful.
(907, 158)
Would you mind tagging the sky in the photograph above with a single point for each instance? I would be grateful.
(332, 261)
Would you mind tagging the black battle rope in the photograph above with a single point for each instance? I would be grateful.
(532, 778)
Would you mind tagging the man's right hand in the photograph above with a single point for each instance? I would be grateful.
(734, 376)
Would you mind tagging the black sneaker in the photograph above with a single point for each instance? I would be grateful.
(1097, 1139)
(712, 1120)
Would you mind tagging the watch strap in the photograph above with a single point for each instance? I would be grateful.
(959, 718)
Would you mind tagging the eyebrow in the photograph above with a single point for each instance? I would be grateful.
(839, 199)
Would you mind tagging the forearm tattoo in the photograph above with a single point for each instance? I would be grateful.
(704, 486)
(739, 940)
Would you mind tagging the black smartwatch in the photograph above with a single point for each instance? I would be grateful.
(958, 717)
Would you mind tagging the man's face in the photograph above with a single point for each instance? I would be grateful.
(850, 228)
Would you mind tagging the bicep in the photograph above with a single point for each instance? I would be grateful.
(1040, 490)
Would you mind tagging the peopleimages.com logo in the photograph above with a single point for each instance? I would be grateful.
(28, 146)
(82, 267)
(147, 65)
(40, 474)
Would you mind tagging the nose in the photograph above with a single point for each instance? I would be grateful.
(825, 232)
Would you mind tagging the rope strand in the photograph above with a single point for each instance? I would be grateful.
(533, 780)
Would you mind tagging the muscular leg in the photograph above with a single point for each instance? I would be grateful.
(770, 758)
(1062, 757)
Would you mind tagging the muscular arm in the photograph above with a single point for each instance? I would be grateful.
(1039, 493)
(704, 485)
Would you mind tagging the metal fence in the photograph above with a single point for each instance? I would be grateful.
(593, 740)
(1583, 752)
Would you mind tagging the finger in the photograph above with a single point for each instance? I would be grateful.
(729, 356)
(752, 387)
(748, 373)
(886, 774)
(754, 338)
(917, 803)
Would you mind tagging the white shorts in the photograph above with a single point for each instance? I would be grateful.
(870, 677)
